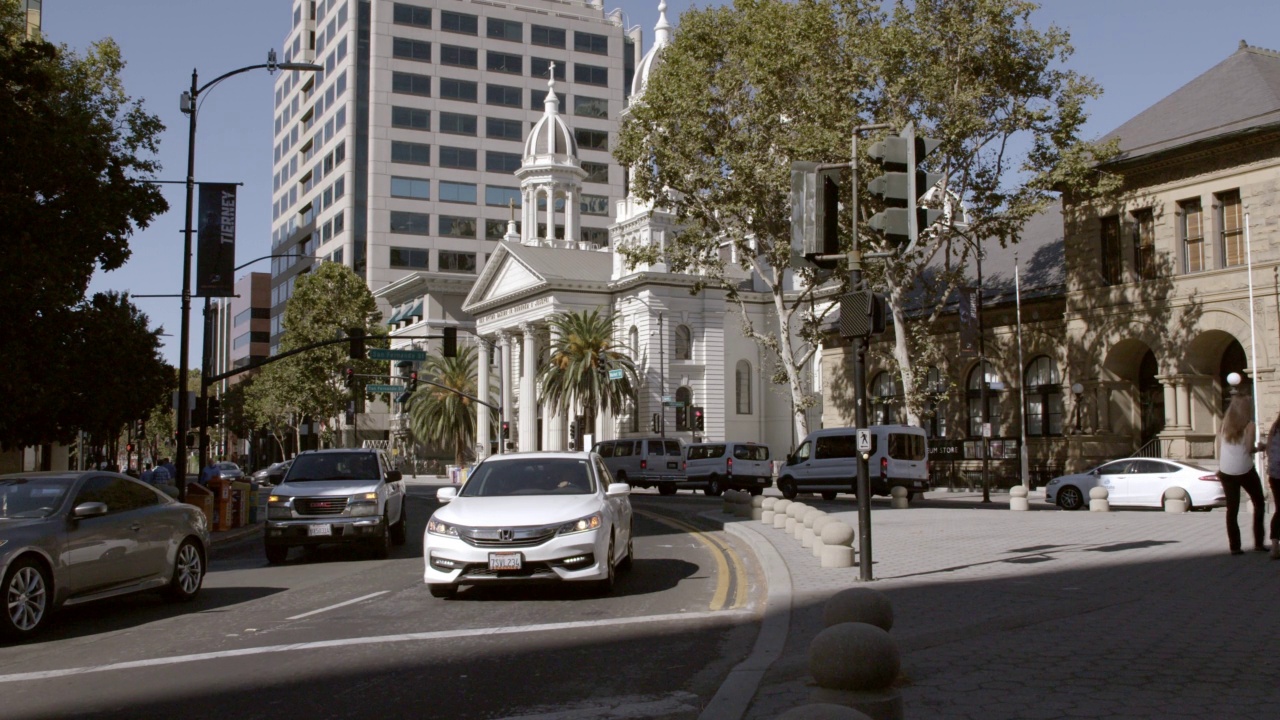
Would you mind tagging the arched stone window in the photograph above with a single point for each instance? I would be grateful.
(742, 387)
(633, 341)
(936, 407)
(974, 396)
(886, 400)
(684, 399)
(1044, 398)
(684, 343)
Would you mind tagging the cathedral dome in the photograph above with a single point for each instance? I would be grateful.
(551, 135)
(661, 38)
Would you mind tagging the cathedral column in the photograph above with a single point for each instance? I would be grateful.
(1184, 403)
(570, 215)
(482, 392)
(529, 390)
(504, 366)
(555, 419)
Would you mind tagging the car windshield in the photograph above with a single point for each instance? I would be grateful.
(333, 466)
(229, 466)
(530, 476)
(32, 497)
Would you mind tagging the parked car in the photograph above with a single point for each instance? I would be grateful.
(530, 517)
(230, 471)
(279, 468)
(345, 496)
(1137, 481)
(826, 462)
(72, 537)
(648, 462)
(729, 466)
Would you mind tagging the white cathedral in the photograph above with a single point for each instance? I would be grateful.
(688, 349)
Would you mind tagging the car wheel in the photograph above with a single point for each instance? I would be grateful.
(382, 544)
(666, 489)
(442, 590)
(911, 495)
(188, 573)
(1070, 498)
(605, 586)
(757, 491)
(27, 596)
(713, 488)
(276, 554)
(788, 488)
(829, 494)
(400, 531)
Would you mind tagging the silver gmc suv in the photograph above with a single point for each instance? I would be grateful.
(336, 496)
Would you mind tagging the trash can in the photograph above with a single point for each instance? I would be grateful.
(201, 497)
(221, 490)
(253, 502)
(239, 504)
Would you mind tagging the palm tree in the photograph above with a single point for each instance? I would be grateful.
(439, 416)
(576, 376)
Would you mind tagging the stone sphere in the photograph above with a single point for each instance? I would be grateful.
(821, 522)
(859, 605)
(1098, 493)
(769, 503)
(780, 505)
(1017, 491)
(823, 711)
(795, 509)
(854, 656)
(1175, 493)
(810, 517)
(757, 501)
(837, 533)
(898, 491)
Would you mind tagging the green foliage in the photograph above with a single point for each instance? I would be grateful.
(576, 376)
(326, 301)
(442, 416)
(74, 147)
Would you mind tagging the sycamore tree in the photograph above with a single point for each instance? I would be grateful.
(326, 301)
(745, 89)
(73, 147)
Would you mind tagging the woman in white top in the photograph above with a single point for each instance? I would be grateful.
(1236, 446)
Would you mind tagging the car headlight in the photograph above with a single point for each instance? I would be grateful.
(436, 527)
(583, 524)
(1054, 481)
(279, 507)
(364, 504)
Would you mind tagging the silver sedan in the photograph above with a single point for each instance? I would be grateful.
(71, 537)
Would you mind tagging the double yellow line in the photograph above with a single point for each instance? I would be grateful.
(726, 581)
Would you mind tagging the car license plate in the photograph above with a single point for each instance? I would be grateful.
(505, 561)
(319, 530)
(672, 465)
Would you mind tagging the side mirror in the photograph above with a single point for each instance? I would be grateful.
(89, 509)
(445, 494)
(618, 490)
(393, 476)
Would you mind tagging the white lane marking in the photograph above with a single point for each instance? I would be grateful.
(406, 637)
(341, 604)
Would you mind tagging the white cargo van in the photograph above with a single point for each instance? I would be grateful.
(826, 462)
(647, 462)
(729, 466)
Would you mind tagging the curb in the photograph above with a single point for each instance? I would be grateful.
(224, 537)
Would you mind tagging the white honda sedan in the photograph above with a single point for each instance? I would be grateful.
(530, 517)
(1137, 481)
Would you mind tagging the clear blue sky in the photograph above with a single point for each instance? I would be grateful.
(1138, 50)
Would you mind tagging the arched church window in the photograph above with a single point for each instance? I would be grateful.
(886, 399)
(633, 340)
(1044, 398)
(684, 343)
(974, 397)
(936, 388)
(742, 387)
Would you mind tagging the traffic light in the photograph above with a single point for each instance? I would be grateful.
(355, 340)
(128, 447)
(573, 435)
(215, 408)
(901, 186)
(413, 381)
(862, 313)
(656, 422)
(815, 213)
(450, 342)
(351, 377)
(699, 418)
(506, 430)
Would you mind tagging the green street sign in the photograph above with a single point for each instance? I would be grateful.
(674, 404)
(380, 354)
(378, 388)
(615, 374)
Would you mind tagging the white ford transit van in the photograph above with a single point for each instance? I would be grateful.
(826, 462)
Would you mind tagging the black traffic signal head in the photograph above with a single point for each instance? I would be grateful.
(413, 380)
(901, 186)
(699, 419)
(350, 377)
(450, 345)
(506, 429)
(815, 213)
(355, 339)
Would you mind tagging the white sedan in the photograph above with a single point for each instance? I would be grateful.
(1137, 481)
(530, 517)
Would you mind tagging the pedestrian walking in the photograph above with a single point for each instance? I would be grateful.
(1235, 446)
(209, 473)
(171, 468)
(161, 475)
(1273, 479)
(148, 475)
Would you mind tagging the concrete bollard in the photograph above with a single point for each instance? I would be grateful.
(794, 511)
(858, 605)
(1018, 498)
(742, 505)
(756, 503)
(806, 534)
(1098, 500)
(837, 545)
(817, 533)
(767, 510)
(726, 501)
(898, 495)
(823, 711)
(1176, 500)
(854, 656)
(780, 512)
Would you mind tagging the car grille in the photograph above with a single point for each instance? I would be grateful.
(320, 506)
(508, 537)
(480, 571)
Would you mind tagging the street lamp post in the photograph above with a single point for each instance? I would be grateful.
(190, 105)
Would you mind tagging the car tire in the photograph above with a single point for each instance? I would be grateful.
(443, 590)
(627, 562)
(666, 489)
(829, 495)
(1070, 497)
(788, 488)
(28, 597)
(713, 488)
(757, 491)
(381, 546)
(605, 586)
(400, 531)
(188, 573)
(276, 554)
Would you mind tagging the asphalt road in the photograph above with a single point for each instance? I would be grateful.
(336, 634)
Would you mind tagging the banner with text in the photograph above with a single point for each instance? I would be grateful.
(216, 230)
(970, 332)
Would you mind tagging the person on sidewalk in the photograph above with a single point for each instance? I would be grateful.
(162, 474)
(1273, 479)
(210, 472)
(148, 475)
(1235, 447)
